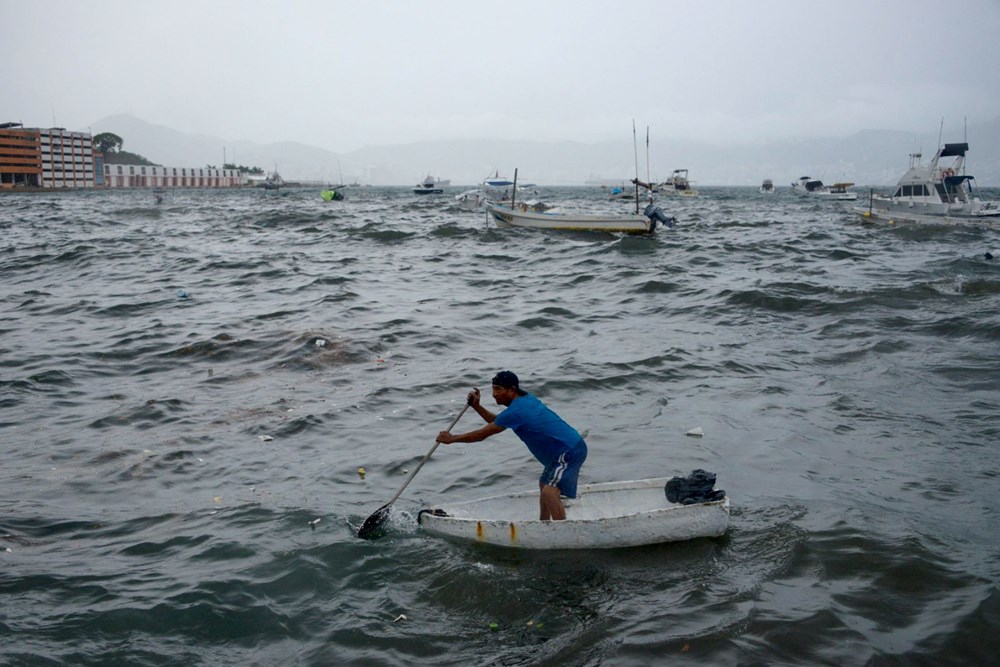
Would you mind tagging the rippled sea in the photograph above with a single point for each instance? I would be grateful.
(187, 388)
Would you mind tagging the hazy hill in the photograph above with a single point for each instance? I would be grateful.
(871, 157)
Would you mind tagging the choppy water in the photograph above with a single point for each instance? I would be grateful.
(164, 456)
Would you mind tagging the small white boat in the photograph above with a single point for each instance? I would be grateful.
(621, 193)
(935, 193)
(603, 516)
(273, 181)
(767, 187)
(815, 188)
(499, 188)
(471, 199)
(431, 186)
(645, 223)
(678, 184)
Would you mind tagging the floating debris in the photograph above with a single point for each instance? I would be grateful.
(266, 438)
(312, 524)
(182, 294)
(494, 626)
(320, 342)
(361, 473)
(401, 617)
(696, 432)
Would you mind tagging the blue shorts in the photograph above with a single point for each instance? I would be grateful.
(565, 471)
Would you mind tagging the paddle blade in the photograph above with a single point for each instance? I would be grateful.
(373, 525)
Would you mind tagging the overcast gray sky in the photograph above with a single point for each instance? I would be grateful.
(341, 75)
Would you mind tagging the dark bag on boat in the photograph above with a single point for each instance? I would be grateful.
(698, 487)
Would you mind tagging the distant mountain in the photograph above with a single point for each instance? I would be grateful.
(871, 157)
(172, 148)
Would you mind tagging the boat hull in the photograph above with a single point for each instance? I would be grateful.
(608, 515)
(627, 224)
(903, 216)
(836, 196)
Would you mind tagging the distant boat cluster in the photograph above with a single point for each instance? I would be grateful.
(933, 193)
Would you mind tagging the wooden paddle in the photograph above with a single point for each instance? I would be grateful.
(371, 526)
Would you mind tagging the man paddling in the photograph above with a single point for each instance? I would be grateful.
(556, 444)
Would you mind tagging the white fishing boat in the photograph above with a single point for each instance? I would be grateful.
(838, 191)
(934, 193)
(273, 181)
(603, 516)
(498, 188)
(431, 186)
(767, 187)
(815, 188)
(678, 184)
(505, 216)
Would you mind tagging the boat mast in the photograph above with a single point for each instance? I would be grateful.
(635, 149)
(513, 191)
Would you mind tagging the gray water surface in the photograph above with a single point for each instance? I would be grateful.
(187, 387)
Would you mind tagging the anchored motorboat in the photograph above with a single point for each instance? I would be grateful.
(939, 192)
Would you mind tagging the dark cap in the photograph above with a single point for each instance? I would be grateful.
(507, 379)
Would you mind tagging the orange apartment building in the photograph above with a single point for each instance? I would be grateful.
(45, 158)
(38, 158)
(20, 158)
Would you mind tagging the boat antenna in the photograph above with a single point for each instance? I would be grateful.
(635, 149)
(940, 131)
(647, 156)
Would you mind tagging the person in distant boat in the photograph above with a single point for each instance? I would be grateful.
(556, 444)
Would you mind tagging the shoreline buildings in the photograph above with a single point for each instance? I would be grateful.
(145, 176)
(56, 159)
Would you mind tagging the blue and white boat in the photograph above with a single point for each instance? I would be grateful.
(431, 186)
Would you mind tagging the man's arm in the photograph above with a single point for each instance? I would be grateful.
(472, 436)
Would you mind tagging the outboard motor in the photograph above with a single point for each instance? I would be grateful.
(654, 213)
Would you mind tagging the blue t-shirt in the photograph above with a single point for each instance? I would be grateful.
(543, 431)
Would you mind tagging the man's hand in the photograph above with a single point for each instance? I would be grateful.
(445, 437)
(473, 399)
